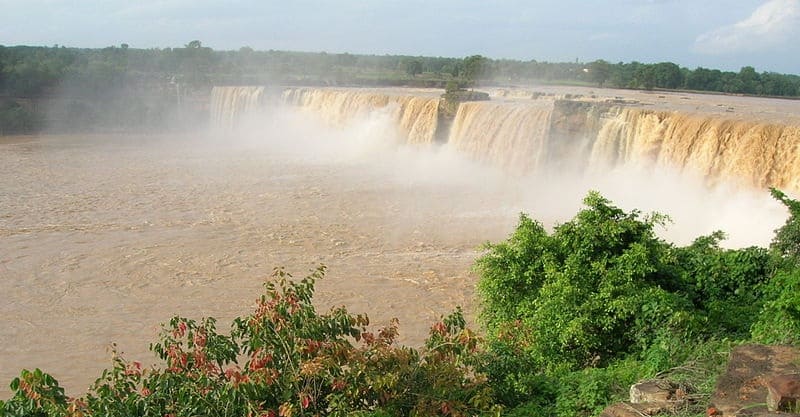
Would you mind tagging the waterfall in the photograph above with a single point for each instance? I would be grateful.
(511, 136)
(230, 104)
(755, 154)
(415, 117)
(527, 136)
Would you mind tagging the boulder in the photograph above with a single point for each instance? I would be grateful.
(783, 393)
(620, 410)
(625, 409)
(652, 391)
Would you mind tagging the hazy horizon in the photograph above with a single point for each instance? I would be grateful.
(715, 34)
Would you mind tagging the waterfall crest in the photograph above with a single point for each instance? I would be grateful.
(514, 137)
(416, 117)
(527, 136)
(229, 104)
(755, 154)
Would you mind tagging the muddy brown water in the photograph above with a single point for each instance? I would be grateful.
(102, 238)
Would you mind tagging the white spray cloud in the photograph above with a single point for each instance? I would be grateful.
(773, 24)
(372, 143)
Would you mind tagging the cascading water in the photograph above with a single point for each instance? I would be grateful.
(529, 136)
(230, 104)
(415, 117)
(755, 154)
(511, 136)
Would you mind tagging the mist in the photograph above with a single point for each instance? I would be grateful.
(373, 143)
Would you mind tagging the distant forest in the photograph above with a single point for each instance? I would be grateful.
(143, 87)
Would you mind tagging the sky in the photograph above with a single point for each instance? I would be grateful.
(724, 34)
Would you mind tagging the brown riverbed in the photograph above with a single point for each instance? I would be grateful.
(105, 237)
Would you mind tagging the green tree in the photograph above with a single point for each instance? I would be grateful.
(779, 320)
(786, 244)
(668, 75)
(412, 67)
(704, 79)
(750, 81)
(475, 68)
(602, 290)
(585, 294)
(645, 77)
(600, 71)
(622, 75)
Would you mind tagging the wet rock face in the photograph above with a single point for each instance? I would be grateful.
(783, 393)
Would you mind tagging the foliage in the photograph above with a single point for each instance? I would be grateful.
(725, 285)
(668, 75)
(584, 295)
(453, 97)
(602, 301)
(36, 394)
(600, 71)
(644, 77)
(15, 118)
(451, 87)
(585, 392)
(475, 68)
(27, 71)
(412, 67)
(779, 320)
(786, 244)
(285, 360)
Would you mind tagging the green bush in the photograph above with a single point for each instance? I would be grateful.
(779, 319)
(725, 286)
(285, 360)
(36, 394)
(786, 243)
(586, 294)
(602, 301)
(588, 391)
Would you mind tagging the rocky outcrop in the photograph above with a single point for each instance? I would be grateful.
(653, 391)
(783, 393)
(760, 381)
(743, 390)
(649, 398)
(626, 409)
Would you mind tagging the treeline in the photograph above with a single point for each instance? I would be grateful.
(46, 71)
(119, 87)
(667, 75)
(71, 89)
(40, 71)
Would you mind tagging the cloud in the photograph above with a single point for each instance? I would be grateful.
(772, 24)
